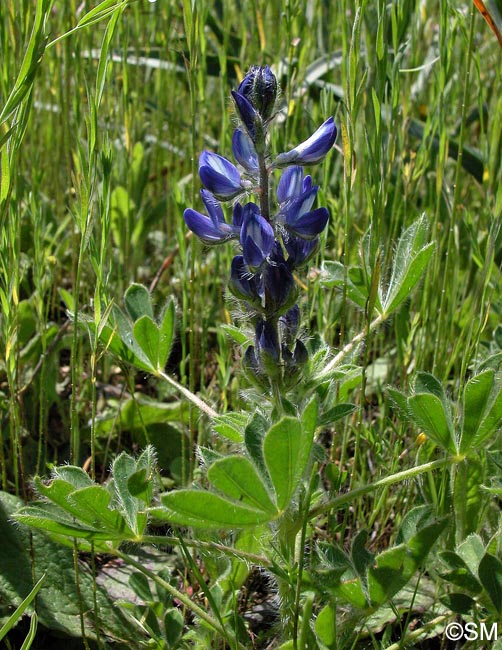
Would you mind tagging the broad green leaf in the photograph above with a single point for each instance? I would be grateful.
(334, 275)
(428, 413)
(458, 603)
(231, 425)
(471, 550)
(492, 417)
(166, 333)
(93, 508)
(468, 497)
(286, 450)
(325, 627)
(123, 468)
(410, 260)
(54, 521)
(336, 413)
(459, 574)
(362, 559)
(490, 575)
(130, 351)
(238, 479)
(309, 418)
(395, 567)
(352, 592)
(254, 435)
(138, 302)
(147, 336)
(73, 475)
(206, 510)
(427, 383)
(476, 396)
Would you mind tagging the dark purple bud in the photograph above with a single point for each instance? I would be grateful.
(219, 176)
(257, 237)
(259, 87)
(244, 151)
(267, 341)
(249, 116)
(279, 287)
(243, 284)
(313, 150)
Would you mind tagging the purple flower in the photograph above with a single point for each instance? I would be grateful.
(279, 288)
(219, 176)
(303, 222)
(289, 324)
(313, 150)
(244, 151)
(257, 237)
(211, 229)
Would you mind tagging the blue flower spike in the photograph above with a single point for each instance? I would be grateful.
(273, 240)
(313, 150)
(220, 176)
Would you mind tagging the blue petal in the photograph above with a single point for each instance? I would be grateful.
(299, 250)
(219, 175)
(313, 150)
(290, 184)
(310, 224)
(300, 206)
(205, 229)
(213, 207)
(249, 115)
(257, 238)
(244, 151)
(280, 288)
(243, 283)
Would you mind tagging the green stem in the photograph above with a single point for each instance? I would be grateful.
(205, 408)
(388, 480)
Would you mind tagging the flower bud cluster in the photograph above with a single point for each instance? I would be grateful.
(272, 243)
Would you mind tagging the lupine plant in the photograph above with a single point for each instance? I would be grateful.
(260, 494)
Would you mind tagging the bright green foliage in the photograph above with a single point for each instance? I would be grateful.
(76, 507)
